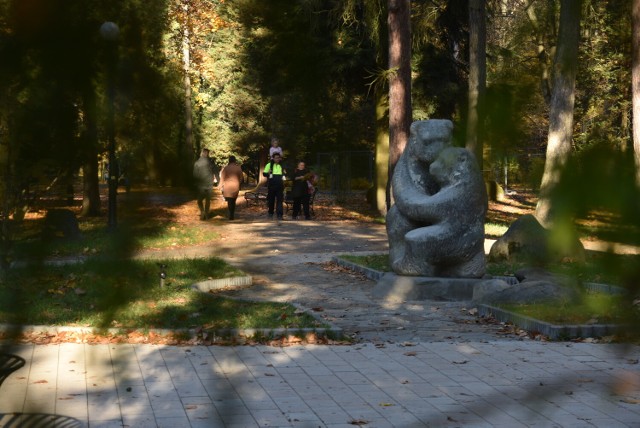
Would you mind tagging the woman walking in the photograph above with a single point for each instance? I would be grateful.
(230, 178)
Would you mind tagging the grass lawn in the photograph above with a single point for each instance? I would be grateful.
(139, 227)
(593, 308)
(127, 294)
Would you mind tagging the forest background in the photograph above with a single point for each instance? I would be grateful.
(231, 75)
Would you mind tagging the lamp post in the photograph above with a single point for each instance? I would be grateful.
(109, 32)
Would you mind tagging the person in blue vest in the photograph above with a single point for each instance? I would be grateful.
(275, 174)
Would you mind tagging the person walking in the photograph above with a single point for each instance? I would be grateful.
(275, 185)
(203, 176)
(230, 179)
(300, 191)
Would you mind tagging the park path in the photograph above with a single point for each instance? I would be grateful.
(290, 261)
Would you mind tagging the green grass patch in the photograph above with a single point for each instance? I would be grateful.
(127, 294)
(612, 269)
(379, 262)
(593, 308)
(603, 268)
(97, 239)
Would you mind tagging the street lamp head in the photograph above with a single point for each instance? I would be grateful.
(109, 31)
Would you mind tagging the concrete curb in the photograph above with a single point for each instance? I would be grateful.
(554, 332)
(222, 283)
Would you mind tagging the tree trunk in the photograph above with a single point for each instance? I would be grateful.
(541, 54)
(635, 85)
(90, 179)
(186, 68)
(381, 93)
(383, 193)
(477, 76)
(561, 108)
(90, 186)
(5, 175)
(399, 24)
(5, 198)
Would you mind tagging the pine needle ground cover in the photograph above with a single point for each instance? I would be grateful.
(127, 294)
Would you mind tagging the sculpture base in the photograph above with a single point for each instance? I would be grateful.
(397, 288)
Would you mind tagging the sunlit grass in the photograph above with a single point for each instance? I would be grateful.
(593, 308)
(605, 268)
(97, 239)
(495, 230)
(127, 294)
(379, 262)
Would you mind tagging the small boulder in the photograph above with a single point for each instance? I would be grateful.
(488, 287)
(527, 241)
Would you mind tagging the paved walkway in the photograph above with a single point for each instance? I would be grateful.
(437, 384)
(415, 364)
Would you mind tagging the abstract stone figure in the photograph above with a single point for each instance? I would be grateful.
(436, 226)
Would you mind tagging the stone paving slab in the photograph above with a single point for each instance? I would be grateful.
(438, 384)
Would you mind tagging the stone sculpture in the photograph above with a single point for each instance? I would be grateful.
(436, 226)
